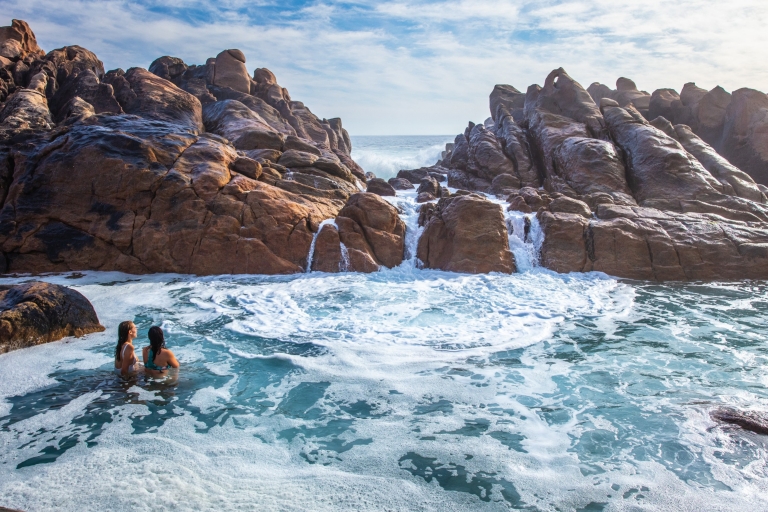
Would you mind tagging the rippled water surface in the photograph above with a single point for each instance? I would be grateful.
(399, 390)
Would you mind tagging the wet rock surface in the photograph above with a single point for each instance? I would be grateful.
(36, 312)
(466, 233)
(366, 235)
(747, 420)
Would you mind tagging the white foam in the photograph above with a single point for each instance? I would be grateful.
(434, 337)
(385, 162)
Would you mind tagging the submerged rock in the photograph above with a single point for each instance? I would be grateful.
(35, 313)
(748, 420)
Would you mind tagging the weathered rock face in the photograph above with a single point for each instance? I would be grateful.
(466, 233)
(230, 71)
(745, 133)
(366, 235)
(126, 171)
(35, 313)
(616, 193)
(380, 187)
(645, 243)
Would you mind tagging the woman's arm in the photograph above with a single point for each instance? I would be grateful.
(172, 362)
(125, 362)
(144, 355)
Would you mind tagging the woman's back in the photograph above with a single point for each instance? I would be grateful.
(162, 361)
(156, 356)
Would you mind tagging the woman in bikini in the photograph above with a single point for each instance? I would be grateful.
(156, 357)
(125, 357)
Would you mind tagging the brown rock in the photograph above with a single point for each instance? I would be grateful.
(505, 100)
(591, 166)
(18, 41)
(564, 248)
(26, 110)
(515, 145)
(242, 126)
(370, 232)
(231, 72)
(563, 96)
(734, 181)
(665, 103)
(247, 167)
(380, 187)
(144, 94)
(86, 86)
(745, 133)
(429, 185)
(503, 184)
(34, 313)
(296, 158)
(658, 166)
(466, 234)
(327, 256)
(486, 157)
(400, 184)
(565, 204)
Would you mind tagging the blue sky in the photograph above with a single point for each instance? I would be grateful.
(422, 67)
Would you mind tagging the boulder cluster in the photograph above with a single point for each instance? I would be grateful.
(177, 168)
(661, 186)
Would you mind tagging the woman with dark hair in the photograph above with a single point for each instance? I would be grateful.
(125, 357)
(157, 358)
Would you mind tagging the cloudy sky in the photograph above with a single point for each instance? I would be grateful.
(422, 67)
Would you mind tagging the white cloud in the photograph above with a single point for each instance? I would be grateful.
(415, 67)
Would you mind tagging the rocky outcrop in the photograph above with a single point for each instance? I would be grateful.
(744, 140)
(230, 71)
(34, 313)
(366, 235)
(128, 171)
(751, 421)
(636, 185)
(466, 233)
(380, 187)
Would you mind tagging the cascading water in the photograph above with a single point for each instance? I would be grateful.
(525, 234)
(314, 241)
(408, 208)
(525, 239)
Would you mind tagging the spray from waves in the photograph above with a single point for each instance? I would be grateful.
(385, 156)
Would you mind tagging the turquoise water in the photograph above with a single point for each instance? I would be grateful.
(404, 389)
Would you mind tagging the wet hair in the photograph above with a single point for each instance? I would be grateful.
(123, 331)
(156, 341)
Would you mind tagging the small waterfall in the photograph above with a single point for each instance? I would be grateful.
(406, 204)
(344, 263)
(314, 240)
(525, 239)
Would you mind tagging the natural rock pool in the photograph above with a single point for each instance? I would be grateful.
(399, 390)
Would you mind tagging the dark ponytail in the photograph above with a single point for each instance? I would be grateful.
(156, 341)
(123, 331)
